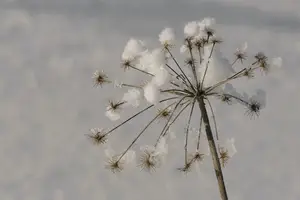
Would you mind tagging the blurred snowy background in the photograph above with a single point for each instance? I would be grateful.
(49, 50)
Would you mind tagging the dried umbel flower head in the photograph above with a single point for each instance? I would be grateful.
(97, 136)
(114, 164)
(165, 84)
(100, 78)
(224, 157)
(186, 168)
(253, 108)
(164, 113)
(149, 160)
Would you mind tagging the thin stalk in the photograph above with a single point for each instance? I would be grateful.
(177, 75)
(206, 67)
(131, 86)
(193, 64)
(237, 98)
(175, 118)
(234, 76)
(200, 55)
(213, 149)
(199, 134)
(138, 113)
(170, 117)
(140, 134)
(191, 85)
(141, 70)
(187, 132)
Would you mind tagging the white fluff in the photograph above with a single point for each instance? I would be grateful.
(161, 76)
(133, 49)
(151, 93)
(183, 49)
(132, 97)
(191, 29)
(112, 115)
(167, 36)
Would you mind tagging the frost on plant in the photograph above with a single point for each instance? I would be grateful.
(177, 88)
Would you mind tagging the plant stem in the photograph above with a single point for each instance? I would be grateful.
(213, 149)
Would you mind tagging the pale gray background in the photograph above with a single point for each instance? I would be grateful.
(48, 52)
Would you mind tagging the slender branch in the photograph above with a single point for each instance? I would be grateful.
(140, 70)
(191, 85)
(144, 129)
(213, 150)
(199, 134)
(131, 86)
(208, 61)
(193, 63)
(237, 98)
(200, 55)
(186, 92)
(234, 76)
(177, 75)
(138, 113)
(170, 117)
(176, 117)
(187, 132)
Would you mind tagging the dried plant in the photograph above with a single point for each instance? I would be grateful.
(205, 75)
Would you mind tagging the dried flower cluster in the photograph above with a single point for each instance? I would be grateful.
(205, 75)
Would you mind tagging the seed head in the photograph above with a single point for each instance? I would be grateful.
(249, 73)
(253, 108)
(115, 106)
(197, 157)
(226, 99)
(114, 164)
(148, 161)
(126, 64)
(240, 55)
(100, 78)
(260, 57)
(164, 113)
(209, 31)
(224, 157)
(98, 136)
(190, 61)
(186, 168)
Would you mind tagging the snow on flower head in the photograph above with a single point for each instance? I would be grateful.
(206, 26)
(167, 37)
(112, 115)
(132, 97)
(151, 93)
(161, 76)
(113, 110)
(128, 158)
(183, 49)
(207, 22)
(152, 60)
(133, 49)
(191, 29)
